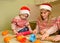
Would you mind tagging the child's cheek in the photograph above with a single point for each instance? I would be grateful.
(22, 16)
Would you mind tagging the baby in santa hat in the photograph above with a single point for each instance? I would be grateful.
(20, 24)
(46, 26)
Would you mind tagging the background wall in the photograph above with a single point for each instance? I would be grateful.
(10, 8)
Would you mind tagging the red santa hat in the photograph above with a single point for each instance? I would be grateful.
(46, 6)
(24, 10)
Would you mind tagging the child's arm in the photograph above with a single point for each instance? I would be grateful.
(50, 31)
(50, 38)
(57, 38)
(28, 25)
(36, 30)
(13, 26)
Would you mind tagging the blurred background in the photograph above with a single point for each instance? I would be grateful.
(10, 8)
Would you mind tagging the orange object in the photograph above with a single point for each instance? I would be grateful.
(6, 39)
(19, 37)
(37, 41)
(23, 40)
(5, 32)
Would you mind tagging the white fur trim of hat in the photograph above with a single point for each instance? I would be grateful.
(24, 12)
(47, 7)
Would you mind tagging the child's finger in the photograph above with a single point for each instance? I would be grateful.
(34, 32)
(43, 37)
(56, 39)
(49, 38)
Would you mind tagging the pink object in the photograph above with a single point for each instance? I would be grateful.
(24, 33)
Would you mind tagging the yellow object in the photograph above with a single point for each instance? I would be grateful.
(37, 41)
(7, 39)
(5, 32)
(19, 38)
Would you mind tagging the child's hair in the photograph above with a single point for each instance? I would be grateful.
(43, 18)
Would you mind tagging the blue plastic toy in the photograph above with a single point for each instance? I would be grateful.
(32, 38)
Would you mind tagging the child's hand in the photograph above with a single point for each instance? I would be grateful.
(31, 31)
(43, 31)
(44, 36)
(49, 38)
(57, 38)
(15, 32)
(34, 32)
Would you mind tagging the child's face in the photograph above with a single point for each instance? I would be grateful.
(24, 16)
(44, 13)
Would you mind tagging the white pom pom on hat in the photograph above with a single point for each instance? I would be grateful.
(24, 10)
(46, 6)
